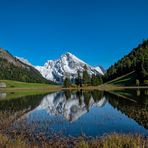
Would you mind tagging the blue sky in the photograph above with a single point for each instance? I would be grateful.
(98, 31)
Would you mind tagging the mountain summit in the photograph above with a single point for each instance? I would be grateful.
(66, 66)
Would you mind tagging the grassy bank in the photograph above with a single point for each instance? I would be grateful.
(102, 87)
(16, 86)
(105, 87)
(22, 86)
(110, 141)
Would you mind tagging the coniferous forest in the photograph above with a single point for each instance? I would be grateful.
(9, 71)
(84, 79)
(136, 61)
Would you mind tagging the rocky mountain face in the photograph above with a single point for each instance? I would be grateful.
(66, 66)
(11, 59)
(25, 61)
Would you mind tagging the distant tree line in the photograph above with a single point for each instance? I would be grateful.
(136, 61)
(84, 79)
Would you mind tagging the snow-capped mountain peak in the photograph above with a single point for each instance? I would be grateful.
(70, 56)
(66, 66)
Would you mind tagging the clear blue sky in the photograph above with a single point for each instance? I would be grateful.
(98, 31)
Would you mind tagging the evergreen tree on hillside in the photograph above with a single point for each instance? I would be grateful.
(67, 83)
(96, 80)
(145, 64)
(78, 80)
(86, 77)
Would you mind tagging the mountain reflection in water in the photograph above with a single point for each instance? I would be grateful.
(92, 113)
(72, 109)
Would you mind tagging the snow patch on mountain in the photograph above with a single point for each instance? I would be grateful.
(99, 70)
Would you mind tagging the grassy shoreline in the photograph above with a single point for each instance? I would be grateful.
(22, 86)
(108, 141)
(60, 88)
(48, 89)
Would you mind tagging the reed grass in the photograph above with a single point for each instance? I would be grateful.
(109, 141)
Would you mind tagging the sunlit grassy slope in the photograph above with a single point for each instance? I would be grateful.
(23, 85)
(125, 80)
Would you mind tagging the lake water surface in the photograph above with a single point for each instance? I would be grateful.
(77, 113)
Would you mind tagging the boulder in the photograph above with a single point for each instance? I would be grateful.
(2, 85)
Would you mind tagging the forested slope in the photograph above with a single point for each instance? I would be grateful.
(13, 69)
(136, 61)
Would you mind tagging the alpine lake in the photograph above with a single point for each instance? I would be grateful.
(75, 113)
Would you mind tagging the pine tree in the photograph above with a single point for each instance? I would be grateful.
(86, 77)
(93, 80)
(96, 80)
(78, 80)
(141, 72)
(67, 83)
(137, 82)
